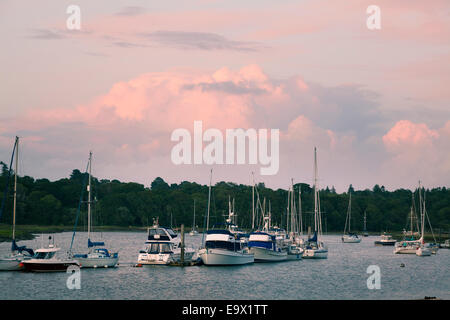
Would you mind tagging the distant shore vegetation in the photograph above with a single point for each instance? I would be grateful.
(52, 205)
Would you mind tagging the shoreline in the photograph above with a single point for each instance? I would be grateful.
(28, 232)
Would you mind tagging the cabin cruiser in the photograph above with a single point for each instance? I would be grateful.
(163, 246)
(386, 240)
(222, 248)
(45, 260)
(264, 247)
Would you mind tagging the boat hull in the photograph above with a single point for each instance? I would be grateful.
(220, 257)
(423, 252)
(268, 255)
(54, 266)
(385, 243)
(350, 240)
(97, 262)
(163, 258)
(10, 265)
(315, 254)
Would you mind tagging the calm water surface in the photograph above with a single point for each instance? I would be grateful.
(341, 276)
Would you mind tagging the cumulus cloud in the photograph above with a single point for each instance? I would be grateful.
(129, 127)
(418, 152)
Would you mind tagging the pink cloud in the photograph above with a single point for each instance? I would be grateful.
(407, 133)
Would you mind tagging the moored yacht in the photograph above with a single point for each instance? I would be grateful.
(98, 257)
(11, 261)
(385, 240)
(46, 260)
(264, 247)
(162, 246)
(222, 248)
(314, 248)
(349, 237)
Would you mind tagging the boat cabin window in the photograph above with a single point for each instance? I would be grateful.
(154, 232)
(44, 255)
(171, 232)
(158, 248)
(232, 246)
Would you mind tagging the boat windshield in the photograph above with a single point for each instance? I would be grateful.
(44, 255)
(171, 232)
(158, 248)
(158, 231)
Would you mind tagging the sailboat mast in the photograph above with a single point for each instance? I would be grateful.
(253, 203)
(422, 220)
(193, 224)
(89, 195)
(300, 208)
(15, 188)
(349, 211)
(209, 200)
(315, 191)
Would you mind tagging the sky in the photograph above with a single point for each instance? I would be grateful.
(375, 103)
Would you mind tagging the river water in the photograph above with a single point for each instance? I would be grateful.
(342, 276)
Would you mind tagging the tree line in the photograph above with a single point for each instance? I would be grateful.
(54, 203)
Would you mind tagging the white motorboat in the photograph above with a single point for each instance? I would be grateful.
(163, 246)
(222, 248)
(349, 237)
(12, 261)
(264, 247)
(385, 240)
(46, 260)
(98, 257)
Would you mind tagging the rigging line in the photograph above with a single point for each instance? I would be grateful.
(79, 206)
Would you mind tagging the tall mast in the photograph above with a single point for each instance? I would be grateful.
(315, 191)
(209, 200)
(349, 211)
(300, 209)
(15, 188)
(421, 211)
(253, 203)
(288, 209)
(89, 195)
(193, 224)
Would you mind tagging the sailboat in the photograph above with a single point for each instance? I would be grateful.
(194, 231)
(314, 247)
(409, 244)
(348, 236)
(220, 247)
(13, 261)
(97, 255)
(422, 250)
